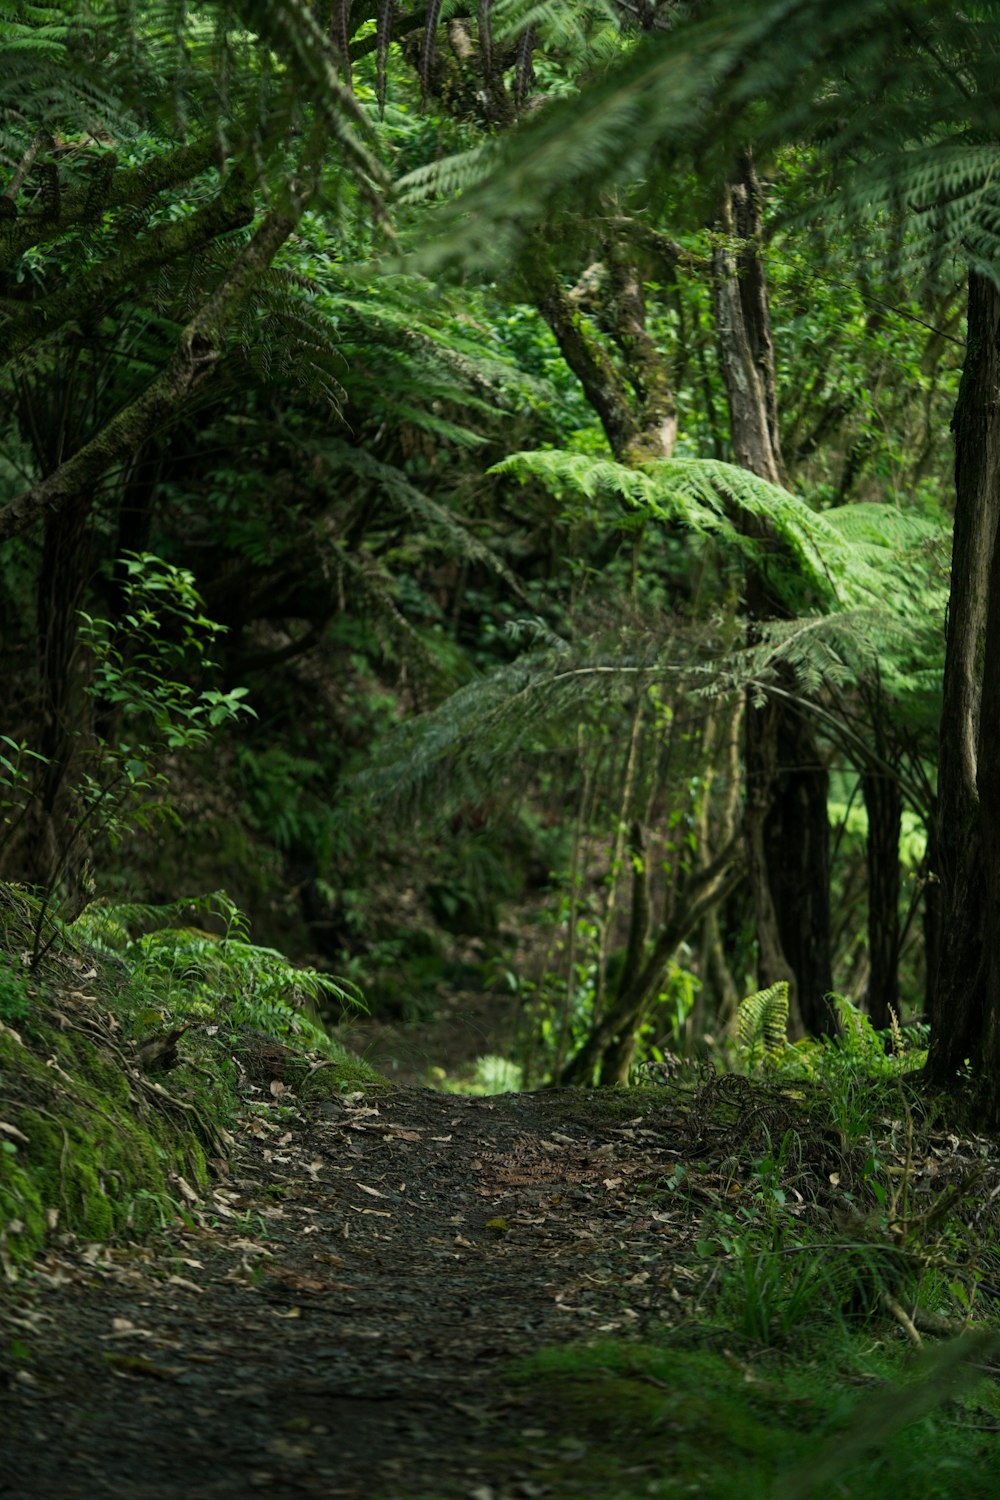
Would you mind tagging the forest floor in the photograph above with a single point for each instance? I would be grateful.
(408, 1295)
(442, 1049)
(341, 1314)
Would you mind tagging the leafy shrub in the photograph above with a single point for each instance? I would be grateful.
(189, 973)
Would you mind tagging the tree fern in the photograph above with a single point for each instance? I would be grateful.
(838, 558)
(898, 96)
(492, 731)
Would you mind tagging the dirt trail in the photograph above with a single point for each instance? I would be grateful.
(342, 1319)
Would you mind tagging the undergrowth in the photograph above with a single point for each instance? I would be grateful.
(832, 1328)
(844, 1418)
(126, 1054)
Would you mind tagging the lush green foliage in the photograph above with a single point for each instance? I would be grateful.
(486, 476)
(201, 977)
(444, 582)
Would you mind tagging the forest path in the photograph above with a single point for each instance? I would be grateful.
(342, 1318)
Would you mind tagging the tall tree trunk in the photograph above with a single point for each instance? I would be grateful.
(965, 1015)
(884, 805)
(743, 324)
(787, 830)
(797, 845)
(761, 754)
(62, 580)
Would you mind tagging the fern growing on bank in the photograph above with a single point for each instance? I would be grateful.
(195, 975)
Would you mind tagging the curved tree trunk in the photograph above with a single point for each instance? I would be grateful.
(611, 1043)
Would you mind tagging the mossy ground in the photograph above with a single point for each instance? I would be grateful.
(90, 1143)
(97, 1150)
(851, 1418)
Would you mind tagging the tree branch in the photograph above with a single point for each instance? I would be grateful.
(197, 351)
(602, 383)
(230, 210)
(128, 188)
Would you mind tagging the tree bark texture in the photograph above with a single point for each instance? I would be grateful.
(966, 996)
(634, 402)
(761, 757)
(603, 385)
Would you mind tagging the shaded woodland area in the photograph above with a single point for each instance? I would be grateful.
(570, 494)
(499, 524)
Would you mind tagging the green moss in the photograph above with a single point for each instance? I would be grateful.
(667, 1421)
(96, 1147)
(98, 1151)
(22, 1210)
(349, 1072)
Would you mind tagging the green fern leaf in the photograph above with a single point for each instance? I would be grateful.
(762, 1023)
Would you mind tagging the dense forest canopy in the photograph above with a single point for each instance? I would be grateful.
(457, 459)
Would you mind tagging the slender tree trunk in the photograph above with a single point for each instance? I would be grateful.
(966, 998)
(884, 805)
(743, 324)
(63, 578)
(612, 1041)
(787, 830)
(931, 912)
(760, 749)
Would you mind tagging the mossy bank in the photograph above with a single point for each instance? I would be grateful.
(116, 1097)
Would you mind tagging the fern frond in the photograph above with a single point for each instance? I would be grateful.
(762, 1024)
(489, 732)
(840, 557)
(898, 98)
(290, 27)
(392, 485)
(705, 495)
(448, 176)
